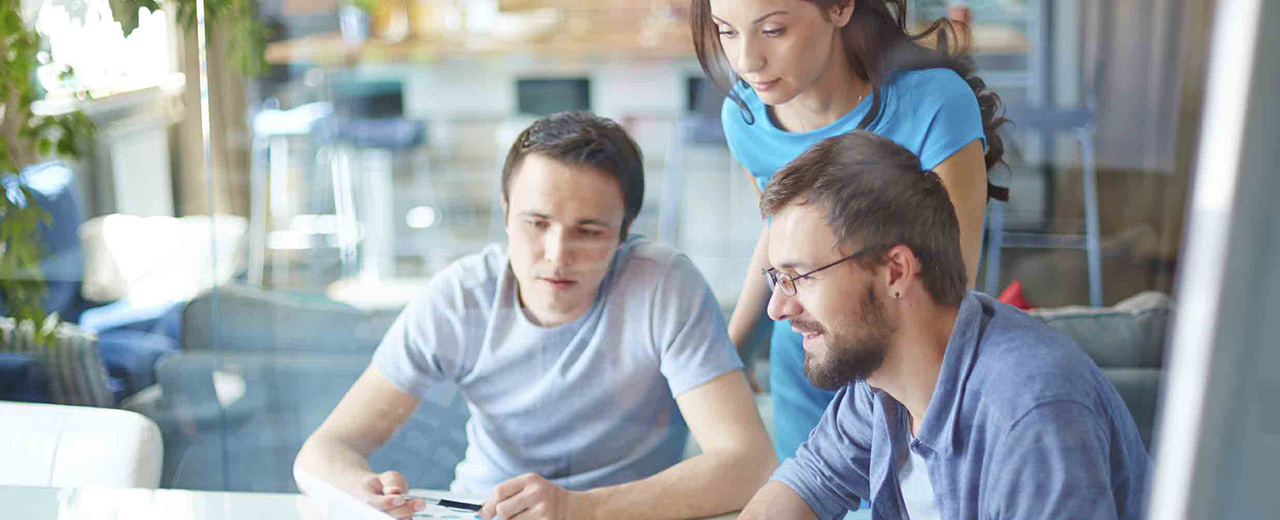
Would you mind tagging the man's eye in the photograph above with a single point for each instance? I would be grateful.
(590, 233)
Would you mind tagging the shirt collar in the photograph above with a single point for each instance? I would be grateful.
(938, 431)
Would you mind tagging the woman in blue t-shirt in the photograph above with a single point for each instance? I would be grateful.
(804, 70)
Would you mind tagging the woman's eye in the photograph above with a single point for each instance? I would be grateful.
(726, 33)
(774, 32)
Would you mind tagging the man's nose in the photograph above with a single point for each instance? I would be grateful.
(782, 307)
(556, 247)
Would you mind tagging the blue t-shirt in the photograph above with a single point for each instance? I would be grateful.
(586, 404)
(931, 112)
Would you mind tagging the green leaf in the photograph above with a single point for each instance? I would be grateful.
(126, 13)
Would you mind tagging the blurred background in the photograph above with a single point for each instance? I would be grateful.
(234, 253)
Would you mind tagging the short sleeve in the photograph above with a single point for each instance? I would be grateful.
(1052, 463)
(689, 330)
(831, 470)
(427, 343)
(954, 119)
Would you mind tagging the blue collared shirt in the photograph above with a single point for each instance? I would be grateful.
(1022, 424)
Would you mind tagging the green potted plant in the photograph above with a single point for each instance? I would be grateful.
(25, 139)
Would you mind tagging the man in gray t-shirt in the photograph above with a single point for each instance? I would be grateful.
(582, 355)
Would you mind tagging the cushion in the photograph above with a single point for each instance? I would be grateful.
(1129, 334)
(76, 373)
(149, 260)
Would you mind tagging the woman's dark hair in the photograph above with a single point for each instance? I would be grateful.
(584, 139)
(878, 45)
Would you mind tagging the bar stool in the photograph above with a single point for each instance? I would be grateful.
(371, 143)
(273, 129)
(1080, 121)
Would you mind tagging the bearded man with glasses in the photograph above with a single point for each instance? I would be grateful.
(949, 404)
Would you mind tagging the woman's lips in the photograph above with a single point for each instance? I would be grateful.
(765, 86)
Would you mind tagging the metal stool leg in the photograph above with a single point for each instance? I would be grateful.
(995, 247)
(344, 207)
(258, 212)
(1093, 244)
(377, 255)
(278, 196)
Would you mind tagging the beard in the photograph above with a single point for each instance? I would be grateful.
(850, 356)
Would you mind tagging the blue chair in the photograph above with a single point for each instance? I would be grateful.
(53, 185)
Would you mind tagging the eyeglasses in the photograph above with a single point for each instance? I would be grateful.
(780, 281)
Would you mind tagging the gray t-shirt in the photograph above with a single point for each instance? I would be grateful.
(586, 404)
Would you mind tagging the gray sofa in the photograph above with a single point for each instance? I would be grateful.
(1127, 342)
(260, 370)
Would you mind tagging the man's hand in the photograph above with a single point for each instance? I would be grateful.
(385, 492)
(531, 497)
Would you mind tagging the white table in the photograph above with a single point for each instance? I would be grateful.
(93, 503)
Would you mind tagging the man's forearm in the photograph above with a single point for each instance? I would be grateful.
(706, 485)
(776, 501)
(334, 462)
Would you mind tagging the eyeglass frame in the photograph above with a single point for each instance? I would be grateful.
(775, 278)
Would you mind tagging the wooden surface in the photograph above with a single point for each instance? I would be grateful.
(576, 35)
(634, 34)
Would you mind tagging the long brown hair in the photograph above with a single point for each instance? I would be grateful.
(878, 45)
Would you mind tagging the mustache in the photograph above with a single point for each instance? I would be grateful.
(806, 327)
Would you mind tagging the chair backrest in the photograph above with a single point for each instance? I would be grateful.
(239, 318)
(71, 446)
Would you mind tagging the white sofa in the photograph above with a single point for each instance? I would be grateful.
(71, 446)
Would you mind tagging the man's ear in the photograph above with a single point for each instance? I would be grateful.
(902, 268)
(841, 12)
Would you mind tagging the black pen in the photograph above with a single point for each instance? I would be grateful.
(451, 504)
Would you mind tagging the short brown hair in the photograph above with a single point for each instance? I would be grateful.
(876, 196)
(583, 138)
